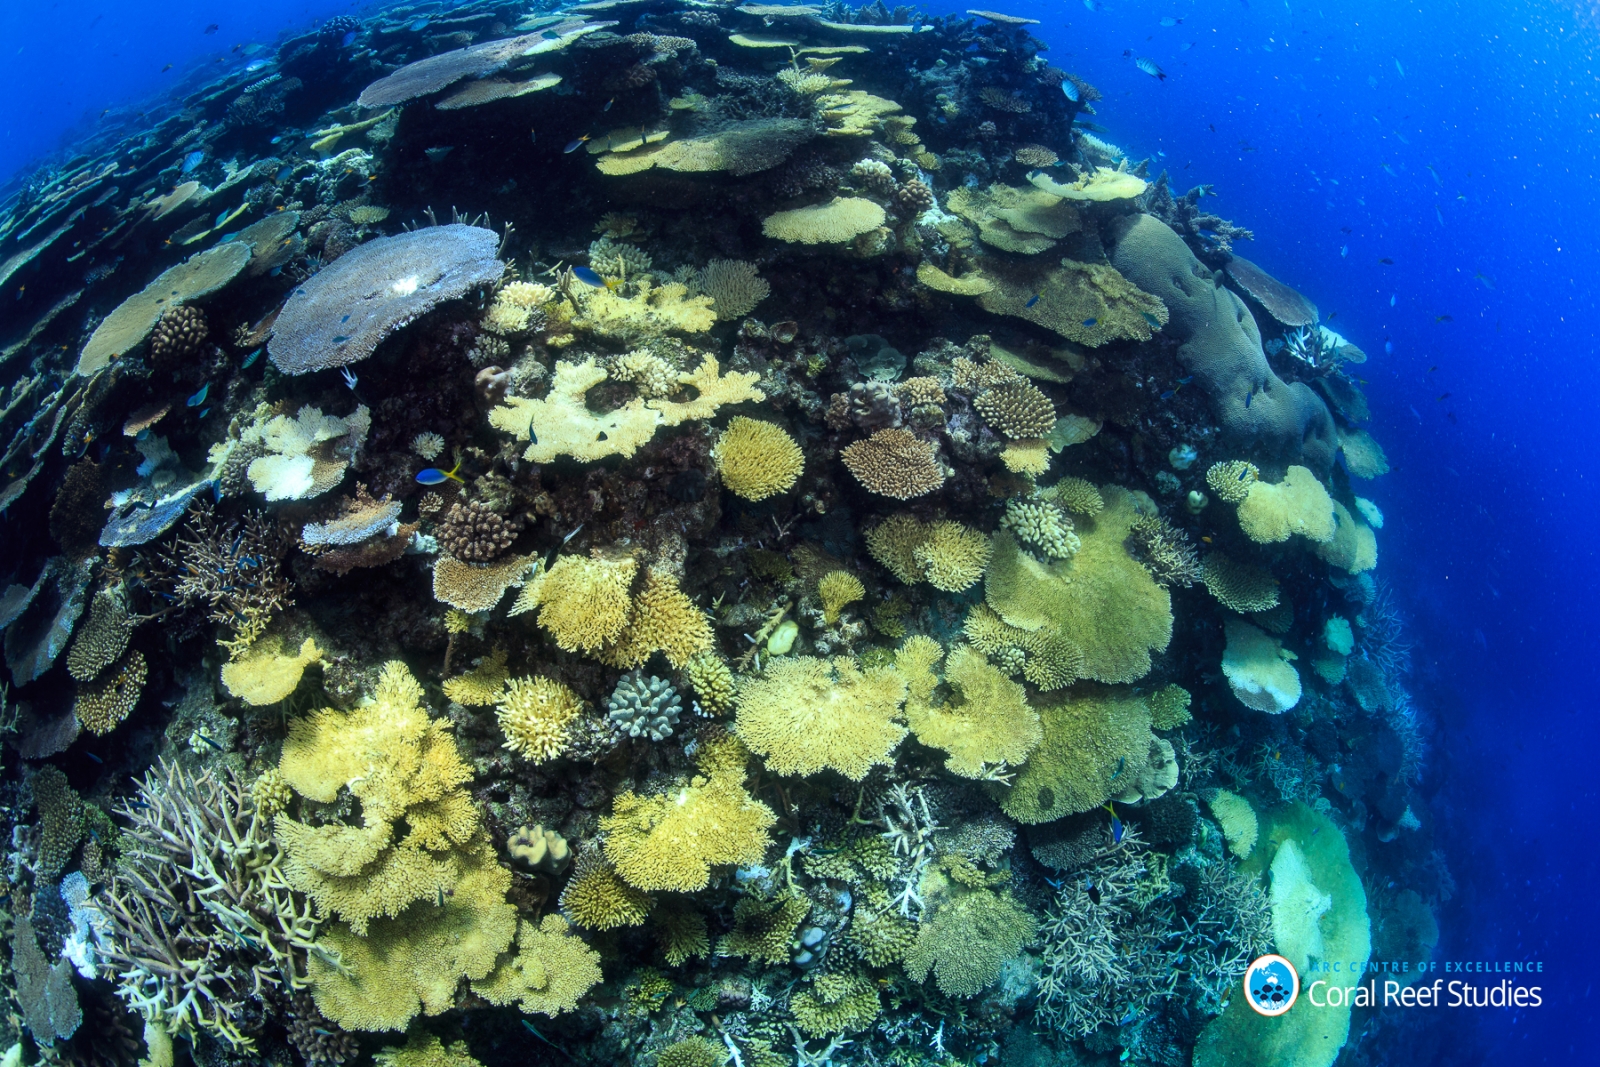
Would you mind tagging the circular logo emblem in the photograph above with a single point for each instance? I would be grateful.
(1271, 985)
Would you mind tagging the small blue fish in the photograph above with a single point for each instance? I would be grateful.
(203, 413)
(1128, 1018)
(418, 26)
(200, 397)
(1169, 394)
(340, 339)
(1032, 300)
(222, 216)
(1249, 397)
(1092, 5)
(348, 39)
(1089, 887)
(251, 68)
(1070, 90)
(1246, 472)
(435, 476)
(283, 172)
(1169, 22)
(1401, 69)
(1116, 825)
(1185, 381)
(1122, 761)
(92, 756)
(1091, 322)
(251, 358)
(550, 35)
(1148, 66)
(1388, 348)
(588, 277)
(193, 160)
(574, 146)
(613, 100)
(1151, 321)
(1392, 298)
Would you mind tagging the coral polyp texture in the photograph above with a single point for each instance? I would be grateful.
(663, 532)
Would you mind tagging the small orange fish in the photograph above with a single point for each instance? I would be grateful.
(1207, 540)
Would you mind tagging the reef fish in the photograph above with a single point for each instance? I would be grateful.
(1091, 322)
(200, 397)
(1116, 825)
(1484, 278)
(1170, 22)
(193, 160)
(1032, 300)
(1070, 90)
(435, 476)
(418, 26)
(1151, 321)
(1149, 67)
(575, 145)
(1092, 5)
(588, 276)
(348, 39)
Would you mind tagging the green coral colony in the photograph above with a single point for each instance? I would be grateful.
(749, 587)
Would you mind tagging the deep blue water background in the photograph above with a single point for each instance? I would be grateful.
(1308, 118)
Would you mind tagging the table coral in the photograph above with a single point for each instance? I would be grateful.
(1092, 739)
(132, 320)
(265, 674)
(551, 970)
(1258, 669)
(840, 220)
(671, 841)
(1237, 819)
(1297, 505)
(1101, 600)
(985, 724)
(804, 715)
(479, 586)
(1240, 587)
(1353, 546)
(968, 939)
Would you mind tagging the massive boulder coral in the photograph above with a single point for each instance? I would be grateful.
(1221, 346)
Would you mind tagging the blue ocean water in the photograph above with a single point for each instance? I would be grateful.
(1425, 172)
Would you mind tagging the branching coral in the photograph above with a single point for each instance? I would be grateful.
(1043, 526)
(804, 715)
(202, 918)
(763, 929)
(946, 554)
(841, 1003)
(61, 820)
(233, 569)
(894, 462)
(1165, 550)
(1231, 481)
(757, 459)
(734, 287)
(100, 705)
(583, 602)
(1017, 409)
(837, 589)
(102, 637)
(534, 714)
(594, 897)
(483, 685)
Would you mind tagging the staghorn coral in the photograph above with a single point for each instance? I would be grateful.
(734, 287)
(234, 570)
(968, 939)
(550, 972)
(1237, 586)
(474, 533)
(1165, 551)
(201, 916)
(671, 841)
(803, 715)
(843, 219)
(682, 934)
(100, 705)
(895, 463)
(534, 714)
(837, 589)
(340, 314)
(757, 459)
(1016, 409)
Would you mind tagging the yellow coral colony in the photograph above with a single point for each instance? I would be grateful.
(413, 895)
(837, 589)
(664, 620)
(265, 674)
(804, 715)
(1297, 505)
(534, 714)
(671, 841)
(550, 970)
(757, 459)
(1237, 819)
(583, 602)
(985, 725)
